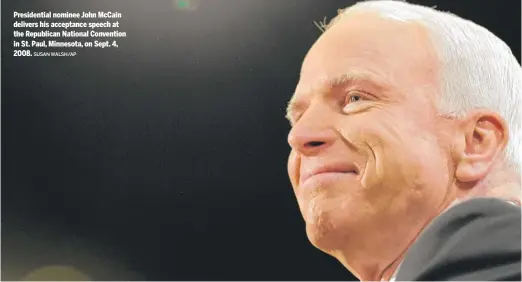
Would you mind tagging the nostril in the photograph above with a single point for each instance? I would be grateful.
(314, 144)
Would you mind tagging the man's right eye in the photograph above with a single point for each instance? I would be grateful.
(355, 98)
(352, 101)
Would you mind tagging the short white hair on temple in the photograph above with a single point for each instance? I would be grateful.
(478, 70)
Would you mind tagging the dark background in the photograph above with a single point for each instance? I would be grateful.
(165, 159)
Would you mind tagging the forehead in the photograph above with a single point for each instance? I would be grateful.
(375, 48)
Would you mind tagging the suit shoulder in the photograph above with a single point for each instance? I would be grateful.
(475, 240)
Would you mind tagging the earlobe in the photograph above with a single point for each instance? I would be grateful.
(485, 136)
(469, 171)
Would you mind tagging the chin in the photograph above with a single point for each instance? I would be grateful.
(322, 233)
(329, 223)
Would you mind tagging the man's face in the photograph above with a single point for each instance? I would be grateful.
(369, 154)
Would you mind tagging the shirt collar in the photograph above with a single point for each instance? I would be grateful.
(394, 275)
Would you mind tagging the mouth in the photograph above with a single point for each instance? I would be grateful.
(332, 170)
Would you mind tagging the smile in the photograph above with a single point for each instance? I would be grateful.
(328, 172)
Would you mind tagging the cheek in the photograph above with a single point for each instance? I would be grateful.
(401, 153)
(294, 163)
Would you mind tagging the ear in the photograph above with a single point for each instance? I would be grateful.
(484, 137)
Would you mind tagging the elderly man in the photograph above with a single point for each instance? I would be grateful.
(406, 144)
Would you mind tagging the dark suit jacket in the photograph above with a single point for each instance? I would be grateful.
(476, 240)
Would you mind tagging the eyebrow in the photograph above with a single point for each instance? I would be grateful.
(351, 77)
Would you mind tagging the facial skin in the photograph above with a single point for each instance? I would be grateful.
(392, 163)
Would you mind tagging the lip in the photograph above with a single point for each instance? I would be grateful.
(331, 169)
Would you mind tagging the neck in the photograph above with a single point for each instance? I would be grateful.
(372, 268)
(508, 192)
(375, 262)
(390, 271)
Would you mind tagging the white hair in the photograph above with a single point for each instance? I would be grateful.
(478, 70)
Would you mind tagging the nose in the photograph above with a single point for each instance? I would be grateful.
(313, 133)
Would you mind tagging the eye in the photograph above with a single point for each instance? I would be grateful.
(354, 98)
(354, 101)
